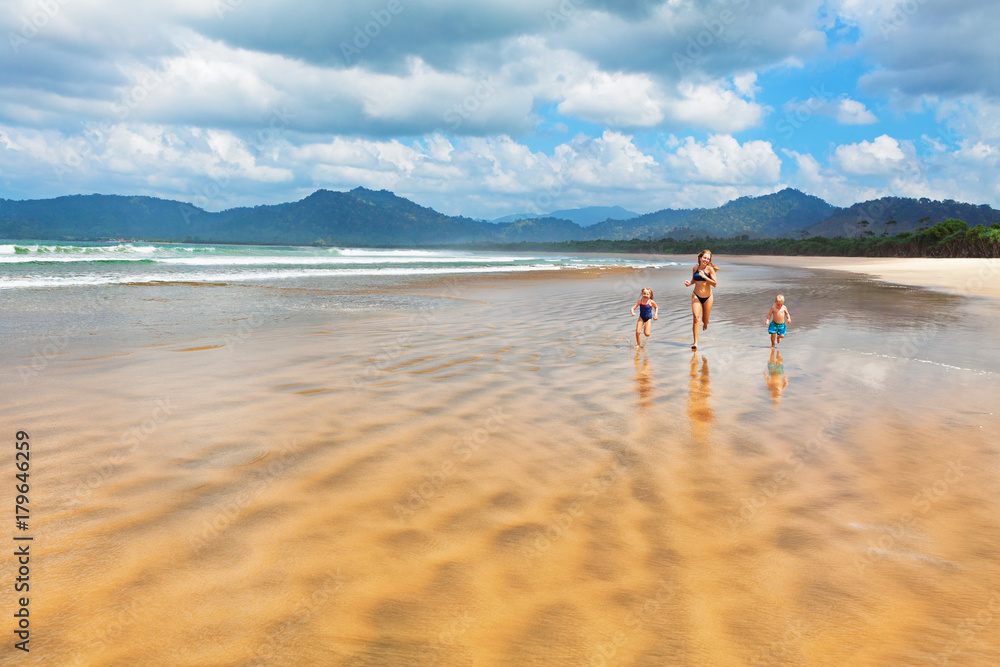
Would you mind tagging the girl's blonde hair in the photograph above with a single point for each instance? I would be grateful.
(644, 289)
(702, 254)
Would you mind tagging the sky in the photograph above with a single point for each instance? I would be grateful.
(487, 108)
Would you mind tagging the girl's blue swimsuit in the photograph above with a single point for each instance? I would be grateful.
(645, 312)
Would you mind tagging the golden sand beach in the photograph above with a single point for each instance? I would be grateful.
(964, 276)
(500, 478)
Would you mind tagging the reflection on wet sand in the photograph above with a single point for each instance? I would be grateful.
(699, 411)
(775, 376)
(643, 381)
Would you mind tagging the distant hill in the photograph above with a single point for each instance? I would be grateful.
(365, 217)
(514, 217)
(90, 217)
(778, 214)
(651, 225)
(908, 215)
(591, 215)
(358, 217)
(536, 230)
(584, 217)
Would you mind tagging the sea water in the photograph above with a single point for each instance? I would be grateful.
(27, 264)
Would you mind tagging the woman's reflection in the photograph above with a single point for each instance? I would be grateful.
(699, 412)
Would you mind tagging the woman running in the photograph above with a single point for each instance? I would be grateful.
(703, 280)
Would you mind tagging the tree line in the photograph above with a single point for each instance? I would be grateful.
(951, 238)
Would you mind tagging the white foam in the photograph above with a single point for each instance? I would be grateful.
(185, 263)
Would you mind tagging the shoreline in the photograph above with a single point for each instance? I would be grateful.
(954, 275)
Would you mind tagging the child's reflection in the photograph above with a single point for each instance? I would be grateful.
(643, 381)
(775, 375)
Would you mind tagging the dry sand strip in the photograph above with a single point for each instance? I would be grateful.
(964, 276)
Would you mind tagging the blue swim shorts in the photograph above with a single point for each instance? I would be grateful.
(775, 328)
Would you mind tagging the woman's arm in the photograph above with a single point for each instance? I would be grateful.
(710, 277)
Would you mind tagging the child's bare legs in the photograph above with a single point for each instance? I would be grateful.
(780, 337)
(642, 327)
(772, 343)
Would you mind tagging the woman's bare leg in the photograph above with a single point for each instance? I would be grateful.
(696, 312)
(708, 311)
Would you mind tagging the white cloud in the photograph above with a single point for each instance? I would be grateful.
(852, 112)
(975, 117)
(609, 161)
(978, 153)
(844, 110)
(723, 160)
(883, 156)
(967, 174)
(617, 99)
(7, 143)
(746, 84)
(829, 184)
(712, 106)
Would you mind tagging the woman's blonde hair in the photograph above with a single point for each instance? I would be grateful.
(702, 254)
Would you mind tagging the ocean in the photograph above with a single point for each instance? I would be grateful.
(28, 264)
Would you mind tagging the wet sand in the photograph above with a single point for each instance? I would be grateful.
(500, 478)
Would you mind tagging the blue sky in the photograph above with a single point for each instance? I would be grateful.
(490, 108)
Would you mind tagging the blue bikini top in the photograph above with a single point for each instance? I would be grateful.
(697, 275)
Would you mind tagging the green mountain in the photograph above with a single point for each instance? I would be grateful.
(778, 214)
(358, 217)
(652, 225)
(591, 215)
(892, 215)
(365, 217)
(538, 230)
(90, 217)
